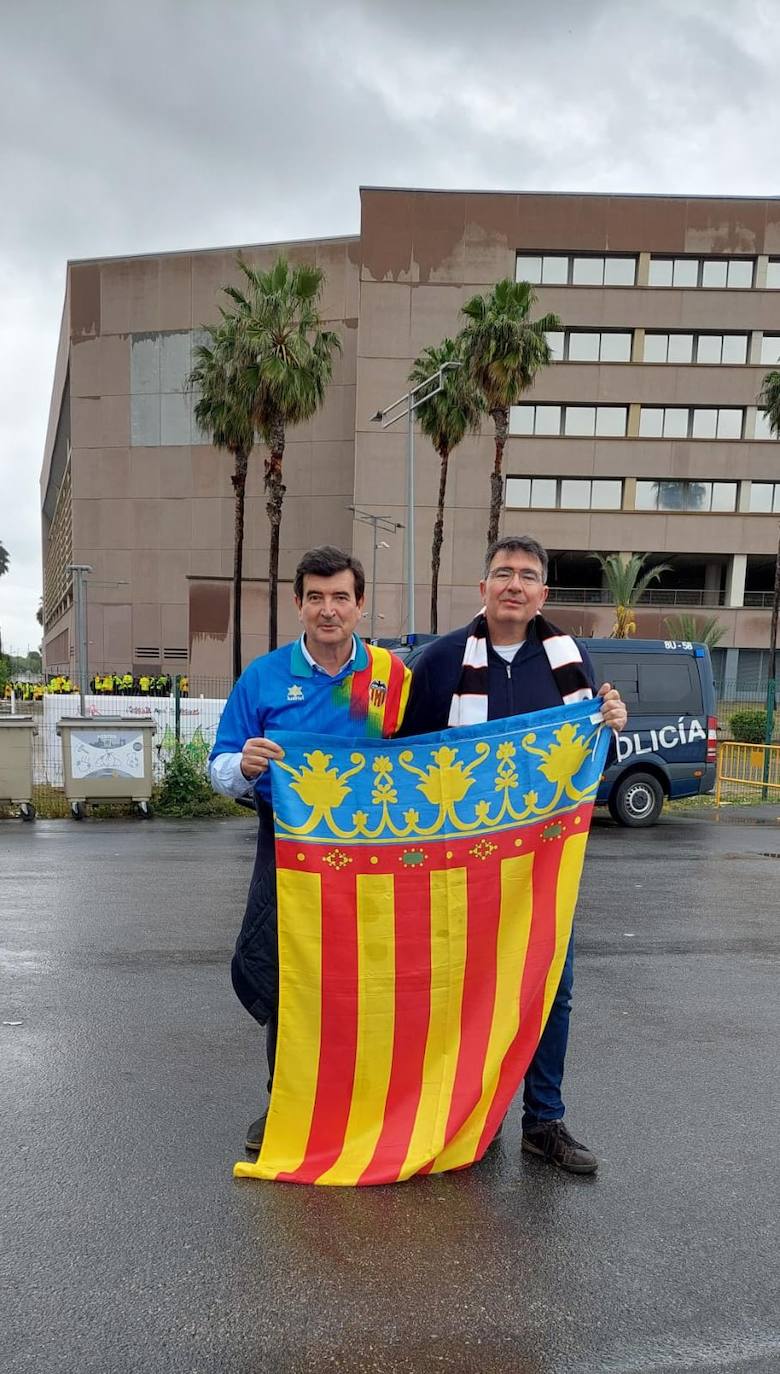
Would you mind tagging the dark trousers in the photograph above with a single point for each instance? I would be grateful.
(542, 1099)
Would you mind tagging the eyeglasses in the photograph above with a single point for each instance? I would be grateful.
(504, 576)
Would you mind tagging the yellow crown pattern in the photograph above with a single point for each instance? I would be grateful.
(469, 787)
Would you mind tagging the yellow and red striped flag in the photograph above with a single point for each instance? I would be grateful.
(426, 889)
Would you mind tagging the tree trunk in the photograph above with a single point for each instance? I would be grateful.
(239, 487)
(275, 489)
(438, 539)
(500, 418)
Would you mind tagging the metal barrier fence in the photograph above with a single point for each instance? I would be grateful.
(748, 772)
(190, 720)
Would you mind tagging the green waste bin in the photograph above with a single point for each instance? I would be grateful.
(16, 763)
(107, 759)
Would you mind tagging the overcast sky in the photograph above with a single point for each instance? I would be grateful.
(131, 126)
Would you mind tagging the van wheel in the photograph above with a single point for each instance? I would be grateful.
(638, 799)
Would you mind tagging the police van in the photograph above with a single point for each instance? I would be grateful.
(669, 747)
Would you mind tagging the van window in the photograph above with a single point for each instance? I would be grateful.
(652, 685)
(621, 672)
(669, 685)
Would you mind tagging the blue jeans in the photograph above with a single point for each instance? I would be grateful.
(542, 1099)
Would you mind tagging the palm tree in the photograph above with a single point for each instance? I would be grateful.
(689, 627)
(444, 419)
(290, 365)
(4, 559)
(769, 400)
(626, 581)
(224, 411)
(504, 349)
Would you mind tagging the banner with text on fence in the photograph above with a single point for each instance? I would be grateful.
(426, 889)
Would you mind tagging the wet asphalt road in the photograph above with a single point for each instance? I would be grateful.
(127, 1246)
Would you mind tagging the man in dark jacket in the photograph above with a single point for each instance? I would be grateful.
(510, 661)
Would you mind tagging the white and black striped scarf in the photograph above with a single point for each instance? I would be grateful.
(469, 704)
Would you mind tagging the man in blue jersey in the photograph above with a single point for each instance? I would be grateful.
(326, 682)
(507, 662)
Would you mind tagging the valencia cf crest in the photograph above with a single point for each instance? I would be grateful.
(377, 692)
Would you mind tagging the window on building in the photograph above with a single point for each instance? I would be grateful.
(548, 420)
(698, 422)
(559, 269)
(715, 272)
(584, 348)
(765, 498)
(699, 348)
(735, 348)
(575, 493)
(587, 271)
(555, 270)
(680, 349)
(606, 493)
(616, 347)
(762, 426)
(589, 346)
(656, 348)
(579, 421)
(770, 348)
(724, 496)
(706, 272)
(730, 422)
(686, 496)
(773, 274)
(564, 493)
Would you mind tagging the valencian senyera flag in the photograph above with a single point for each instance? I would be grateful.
(426, 889)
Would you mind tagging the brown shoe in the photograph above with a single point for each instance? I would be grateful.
(552, 1142)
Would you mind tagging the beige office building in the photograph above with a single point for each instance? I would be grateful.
(643, 436)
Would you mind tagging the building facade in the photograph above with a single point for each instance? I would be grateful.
(642, 436)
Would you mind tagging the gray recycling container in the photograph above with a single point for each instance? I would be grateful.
(16, 763)
(106, 758)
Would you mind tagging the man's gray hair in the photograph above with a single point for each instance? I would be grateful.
(521, 543)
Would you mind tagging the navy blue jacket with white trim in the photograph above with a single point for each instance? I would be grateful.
(527, 684)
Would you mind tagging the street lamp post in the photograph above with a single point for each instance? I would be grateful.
(377, 522)
(80, 571)
(406, 406)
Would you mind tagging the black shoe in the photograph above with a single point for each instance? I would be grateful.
(255, 1133)
(551, 1140)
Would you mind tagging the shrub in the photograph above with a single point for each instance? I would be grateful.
(186, 791)
(748, 727)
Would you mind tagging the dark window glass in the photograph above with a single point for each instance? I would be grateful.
(670, 684)
(620, 671)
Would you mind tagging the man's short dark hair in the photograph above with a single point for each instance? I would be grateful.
(521, 543)
(326, 561)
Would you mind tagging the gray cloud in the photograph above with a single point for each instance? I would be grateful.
(178, 123)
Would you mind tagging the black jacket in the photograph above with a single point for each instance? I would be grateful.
(527, 684)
